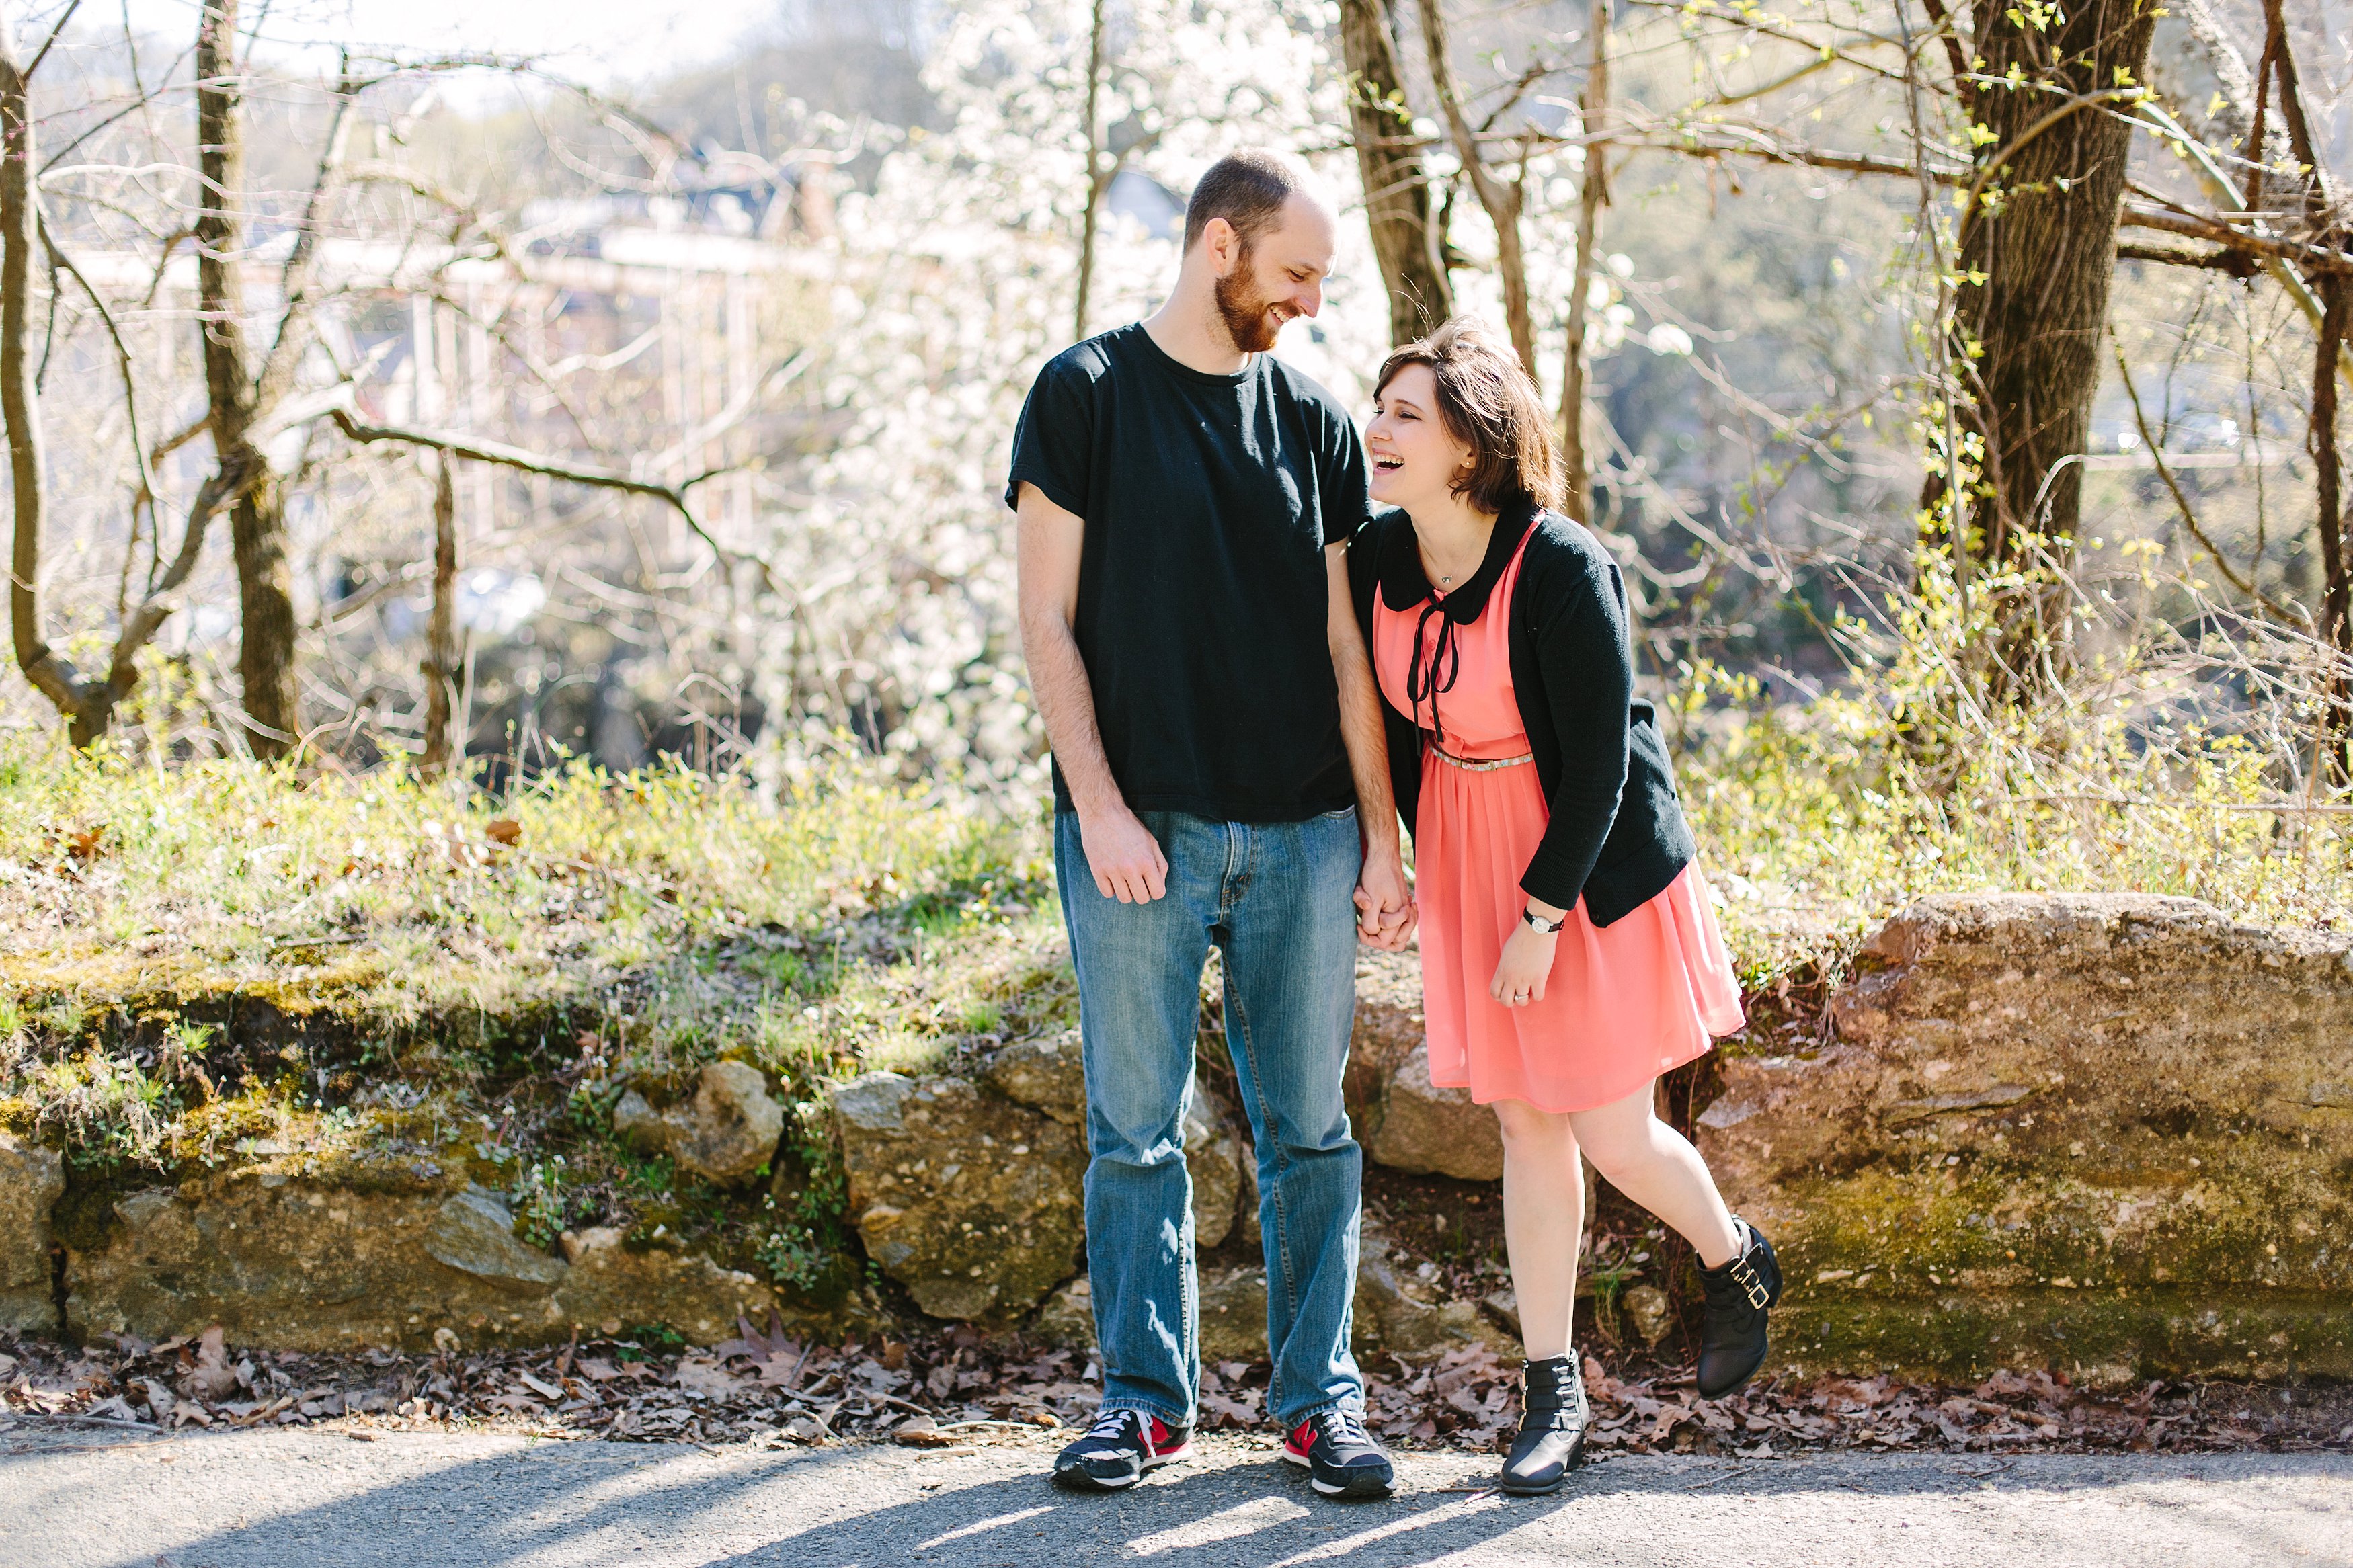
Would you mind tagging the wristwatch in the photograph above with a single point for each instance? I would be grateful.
(1536, 923)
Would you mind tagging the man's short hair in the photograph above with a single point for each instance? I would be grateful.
(1246, 189)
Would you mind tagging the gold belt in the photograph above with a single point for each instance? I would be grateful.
(1471, 766)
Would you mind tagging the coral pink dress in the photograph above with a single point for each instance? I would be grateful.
(1625, 1002)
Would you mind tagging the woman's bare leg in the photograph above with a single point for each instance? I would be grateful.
(1544, 1221)
(1653, 1164)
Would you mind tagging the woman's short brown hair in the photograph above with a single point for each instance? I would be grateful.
(1489, 402)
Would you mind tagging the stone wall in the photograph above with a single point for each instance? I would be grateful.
(2108, 1134)
(32, 1179)
(2105, 1132)
(971, 1193)
(287, 1260)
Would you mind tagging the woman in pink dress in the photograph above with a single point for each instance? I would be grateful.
(1568, 954)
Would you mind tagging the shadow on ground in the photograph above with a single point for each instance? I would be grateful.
(315, 1498)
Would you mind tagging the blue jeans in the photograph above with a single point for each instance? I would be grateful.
(1276, 899)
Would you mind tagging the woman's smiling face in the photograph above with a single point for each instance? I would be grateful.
(1416, 459)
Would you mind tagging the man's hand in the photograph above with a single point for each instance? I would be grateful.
(1124, 856)
(1385, 912)
(1121, 852)
(1384, 907)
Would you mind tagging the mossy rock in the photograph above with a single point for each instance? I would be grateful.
(32, 1176)
(2109, 1338)
(2083, 1129)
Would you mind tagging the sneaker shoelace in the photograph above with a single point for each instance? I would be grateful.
(1346, 1430)
(1113, 1424)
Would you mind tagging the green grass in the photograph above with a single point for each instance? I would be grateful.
(230, 962)
(1815, 822)
(392, 898)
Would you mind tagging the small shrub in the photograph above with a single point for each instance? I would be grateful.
(649, 1340)
(544, 1204)
(108, 1110)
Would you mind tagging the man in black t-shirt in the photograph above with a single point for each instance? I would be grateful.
(1219, 778)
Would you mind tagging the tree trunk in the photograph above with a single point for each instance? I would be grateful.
(2336, 573)
(258, 518)
(440, 665)
(2038, 246)
(2325, 227)
(1096, 183)
(85, 704)
(1411, 250)
(1593, 194)
(18, 235)
(1499, 199)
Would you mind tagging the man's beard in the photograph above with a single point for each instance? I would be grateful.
(1247, 315)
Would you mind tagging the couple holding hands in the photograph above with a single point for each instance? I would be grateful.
(1249, 675)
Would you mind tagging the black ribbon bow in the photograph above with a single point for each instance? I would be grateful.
(1404, 584)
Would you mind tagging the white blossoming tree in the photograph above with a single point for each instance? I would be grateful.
(958, 276)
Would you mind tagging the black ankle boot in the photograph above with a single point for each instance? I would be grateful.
(1732, 1339)
(1553, 1418)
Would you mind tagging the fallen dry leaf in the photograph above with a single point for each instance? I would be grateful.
(703, 1376)
(923, 1432)
(1466, 1400)
(209, 1376)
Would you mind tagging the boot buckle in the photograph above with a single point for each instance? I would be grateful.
(1746, 1278)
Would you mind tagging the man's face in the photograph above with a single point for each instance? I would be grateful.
(1277, 276)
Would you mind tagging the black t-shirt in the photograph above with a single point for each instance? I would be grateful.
(1203, 601)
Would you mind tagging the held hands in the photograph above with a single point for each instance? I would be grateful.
(1128, 865)
(1526, 963)
(1385, 908)
(1124, 856)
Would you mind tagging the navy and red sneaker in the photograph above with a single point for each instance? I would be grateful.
(1340, 1456)
(1118, 1448)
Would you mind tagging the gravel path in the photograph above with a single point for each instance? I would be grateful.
(81, 1498)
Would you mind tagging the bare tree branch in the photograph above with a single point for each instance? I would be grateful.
(2221, 259)
(2310, 257)
(440, 664)
(1593, 194)
(1946, 35)
(51, 41)
(2245, 585)
(295, 281)
(463, 446)
(1500, 203)
(65, 264)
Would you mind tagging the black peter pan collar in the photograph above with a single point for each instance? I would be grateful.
(1404, 586)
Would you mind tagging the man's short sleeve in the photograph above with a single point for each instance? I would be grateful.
(1053, 442)
(1347, 499)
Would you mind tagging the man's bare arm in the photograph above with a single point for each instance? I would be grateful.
(1385, 905)
(1120, 851)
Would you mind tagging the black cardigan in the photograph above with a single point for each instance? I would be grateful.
(1617, 834)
